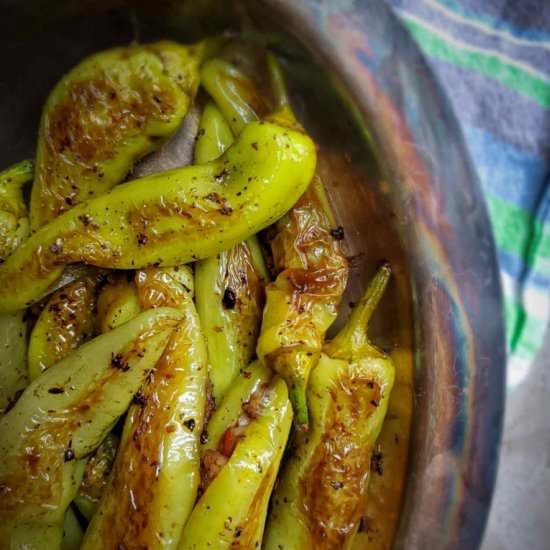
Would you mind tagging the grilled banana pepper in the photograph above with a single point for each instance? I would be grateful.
(14, 221)
(169, 218)
(65, 323)
(303, 300)
(323, 487)
(156, 474)
(106, 113)
(230, 285)
(64, 415)
(238, 476)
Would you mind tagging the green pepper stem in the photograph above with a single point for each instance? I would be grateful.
(278, 83)
(354, 332)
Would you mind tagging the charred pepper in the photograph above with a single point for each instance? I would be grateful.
(64, 415)
(169, 218)
(323, 487)
(229, 285)
(65, 323)
(312, 270)
(231, 512)
(110, 110)
(156, 473)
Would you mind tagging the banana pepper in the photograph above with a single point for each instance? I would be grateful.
(231, 512)
(65, 323)
(14, 221)
(230, 285)
(110, 110)
(64, 415)
(169, 218)
(323, 487)
(155, 478)
(303, 300)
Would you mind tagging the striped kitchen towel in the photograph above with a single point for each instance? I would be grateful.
(493, 59)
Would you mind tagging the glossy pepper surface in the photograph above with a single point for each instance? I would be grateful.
(170, 218)
(323, 487)
(64, 415)
(65, 323)
(231, 512)
(230, 285)
(303, 300)
(106, 113)
(156, 473)
(14, 220)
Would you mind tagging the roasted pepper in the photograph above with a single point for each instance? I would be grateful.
(303, 300)
(234, 93)
(110, 110)
(157, 469)
(95, 477)
(14, 221)
(65, 323)
(13, 358)
(169, 218)
(118, 301)
(230, 285)
(64, 415)
(323, 487)
(231, 512)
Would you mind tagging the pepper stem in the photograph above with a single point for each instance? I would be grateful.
(278, 84)
(354, 332)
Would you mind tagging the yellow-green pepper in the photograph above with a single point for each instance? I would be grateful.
(110, 110)
(13, 358)
(95, 477)
(248, 381)
(117, 302)
(66, 321)
(169, 218)
(14, 221)
(323, 487)
(231, 512)
(156, 474)
(64, 415)
(229, 286)
(303, 300)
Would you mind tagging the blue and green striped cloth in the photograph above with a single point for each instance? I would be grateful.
(493, 59)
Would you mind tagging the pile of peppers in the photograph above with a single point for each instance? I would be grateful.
(166, 381)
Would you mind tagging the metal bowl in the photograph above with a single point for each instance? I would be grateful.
(402, 185)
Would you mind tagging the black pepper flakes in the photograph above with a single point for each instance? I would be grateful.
(139, 399)
(204, 437)
(56, 391)
(254, 145)
(57, 247)
(141, 238)
(337, 233)
(118, 362)
(377, 462)
(190, 424)
(229, 299)
(69, 455)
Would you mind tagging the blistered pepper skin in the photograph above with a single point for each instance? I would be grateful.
(14, 221)
(109, 111)
(65, 323)
(61, 417)
(170, 218)
(117, 302)
(231, 513)
(156, 474)
(323, 487)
